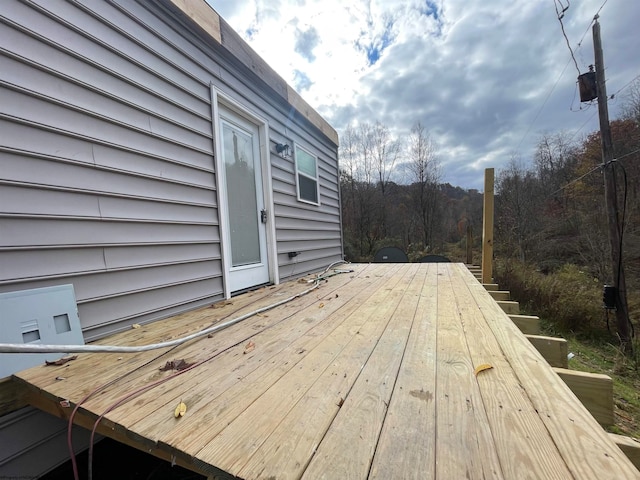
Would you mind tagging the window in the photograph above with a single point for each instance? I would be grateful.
(307, 176)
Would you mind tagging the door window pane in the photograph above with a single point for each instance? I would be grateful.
(239, 163)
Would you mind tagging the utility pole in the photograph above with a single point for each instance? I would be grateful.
(622, 311)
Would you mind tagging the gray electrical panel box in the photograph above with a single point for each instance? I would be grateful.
(42, 315)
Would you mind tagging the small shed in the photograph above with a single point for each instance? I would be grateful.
(152, 160)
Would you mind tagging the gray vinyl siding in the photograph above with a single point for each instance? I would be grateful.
(107, 174)
(26, 455)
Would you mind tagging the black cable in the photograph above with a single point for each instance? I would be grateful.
(560, 16)
(621, 225)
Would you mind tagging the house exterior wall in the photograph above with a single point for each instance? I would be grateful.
(107, 171)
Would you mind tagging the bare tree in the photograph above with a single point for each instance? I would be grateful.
(517, 208)
(555, 161)
(384, 151)
(630, 108)
(425, 176)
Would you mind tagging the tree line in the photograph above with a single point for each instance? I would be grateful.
(392, 194)
(549, 209)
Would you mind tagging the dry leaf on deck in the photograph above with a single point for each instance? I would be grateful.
(249, 347)
(480, 368)
(180, 410)
(321, 305)
(175, 365)
(221, 304)
(135, 325)
(60, 361)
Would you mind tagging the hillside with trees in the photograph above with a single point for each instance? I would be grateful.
(392, 194)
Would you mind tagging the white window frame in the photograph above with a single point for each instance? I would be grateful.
(297, 147)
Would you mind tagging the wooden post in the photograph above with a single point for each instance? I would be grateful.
(622, 311)
(469, 245)
(487, 227)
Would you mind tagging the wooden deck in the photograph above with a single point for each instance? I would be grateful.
(369, 376)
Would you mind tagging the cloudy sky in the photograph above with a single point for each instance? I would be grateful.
(487, 78)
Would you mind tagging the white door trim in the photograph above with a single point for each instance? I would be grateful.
(218, 97)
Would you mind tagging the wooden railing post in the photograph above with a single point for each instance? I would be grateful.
(487, 227)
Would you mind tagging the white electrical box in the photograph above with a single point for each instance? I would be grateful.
(42, 315)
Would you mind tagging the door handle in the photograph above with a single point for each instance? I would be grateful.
(263, 216)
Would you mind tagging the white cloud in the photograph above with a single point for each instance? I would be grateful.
(476, 74)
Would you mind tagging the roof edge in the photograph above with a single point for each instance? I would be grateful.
(205, 17)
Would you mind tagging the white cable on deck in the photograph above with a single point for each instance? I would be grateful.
(38, 348)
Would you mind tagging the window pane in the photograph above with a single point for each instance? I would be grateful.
(308, 189)
(306, 163)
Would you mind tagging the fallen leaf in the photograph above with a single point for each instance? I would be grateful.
(60, 378)
(482, 367)
(60, 361)
(178, 365)
(321, 305)
(221, 304)
(249, 347)
(135, 325)
(180, 410)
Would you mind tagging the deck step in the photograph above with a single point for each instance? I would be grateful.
(509, 306)
(594, 390)
(500, 295)
(528, 324)
(629, 446)
(554, 350)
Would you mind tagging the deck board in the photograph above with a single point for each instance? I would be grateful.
(369, 376)
(408, 435)
(512, 419)
(464, 446)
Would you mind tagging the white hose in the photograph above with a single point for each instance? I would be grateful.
(38, 348)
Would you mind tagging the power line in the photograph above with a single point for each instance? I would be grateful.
(564, 9)
(627, 154)
(583, 125)
(577, 179)
(560, 14)
(625, 86)
(543, 104)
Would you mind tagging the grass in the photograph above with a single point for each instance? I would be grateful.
(600, 357)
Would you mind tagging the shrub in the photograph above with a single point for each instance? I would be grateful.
(568, 298)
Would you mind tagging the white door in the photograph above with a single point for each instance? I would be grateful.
(246, 235)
